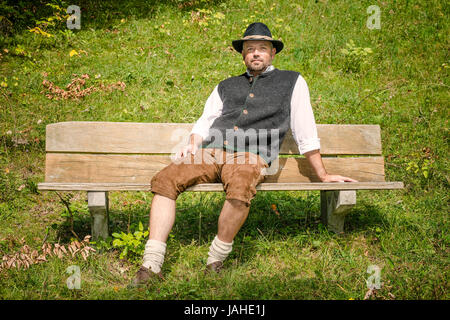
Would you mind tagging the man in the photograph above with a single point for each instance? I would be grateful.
(264, 102)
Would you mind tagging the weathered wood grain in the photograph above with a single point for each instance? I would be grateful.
(130, 137)
(61, 186)
(117, 168)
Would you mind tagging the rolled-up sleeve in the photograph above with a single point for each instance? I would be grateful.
(303, 124)
(212, 110)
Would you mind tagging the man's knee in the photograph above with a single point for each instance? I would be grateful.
(240, 183)
(240, 195)
(238, 203)
(163, 183)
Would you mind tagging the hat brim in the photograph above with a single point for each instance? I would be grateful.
(238, 44)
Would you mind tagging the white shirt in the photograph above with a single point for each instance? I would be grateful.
(303, 125)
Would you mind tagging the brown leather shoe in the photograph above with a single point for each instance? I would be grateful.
(144, 276)
(215, 266)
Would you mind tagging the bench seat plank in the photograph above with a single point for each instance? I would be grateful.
(60, 186)
(71, 167)
(131, 137)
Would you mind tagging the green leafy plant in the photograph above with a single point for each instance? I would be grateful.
(132, 244)
(20, 50)
(102, 245)
(53, 22)
(51, 30)
(356, 58)
(420, 167)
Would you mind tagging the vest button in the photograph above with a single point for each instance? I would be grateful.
(251, 95)
(245, 111)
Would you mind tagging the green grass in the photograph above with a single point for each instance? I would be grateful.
(169, 72)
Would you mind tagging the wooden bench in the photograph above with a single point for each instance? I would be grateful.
(98, 157)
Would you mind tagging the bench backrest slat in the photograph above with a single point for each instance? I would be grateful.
(154, 138)
(125, 152)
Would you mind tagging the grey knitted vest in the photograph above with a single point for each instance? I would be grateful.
(255, 115)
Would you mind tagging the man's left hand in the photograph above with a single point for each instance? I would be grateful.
(336, 178)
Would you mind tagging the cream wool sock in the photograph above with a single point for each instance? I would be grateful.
(219, 250)
(154, 255)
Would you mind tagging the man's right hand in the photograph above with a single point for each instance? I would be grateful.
(190, 148)
(194, 141)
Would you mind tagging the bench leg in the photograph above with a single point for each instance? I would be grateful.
(98, 207)
(334, 206)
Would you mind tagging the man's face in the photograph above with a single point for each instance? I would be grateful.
(258, 55)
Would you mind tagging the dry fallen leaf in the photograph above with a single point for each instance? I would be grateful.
(76, 88)
(369, 293)
(26, 257)
(274, 208)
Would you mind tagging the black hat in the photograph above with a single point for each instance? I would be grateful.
(257, 31)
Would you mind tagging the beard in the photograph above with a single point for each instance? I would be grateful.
(258, 67)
